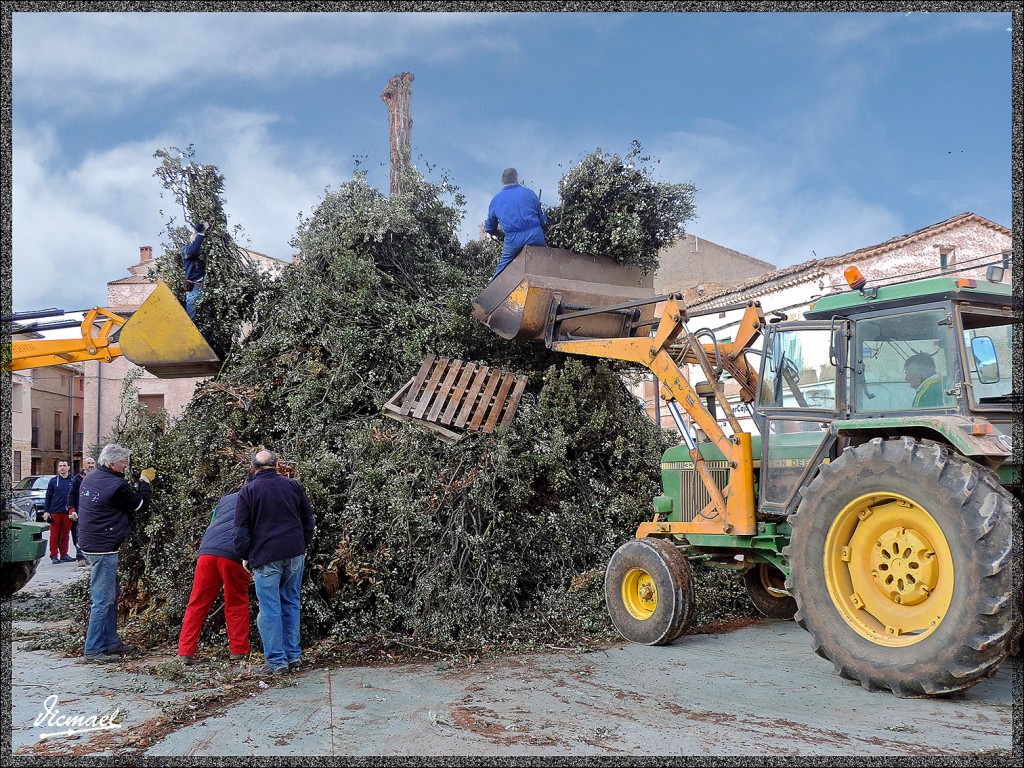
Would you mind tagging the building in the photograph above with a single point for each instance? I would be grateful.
(696, 268)
(21, 424)
(104, 382)
(965, 245)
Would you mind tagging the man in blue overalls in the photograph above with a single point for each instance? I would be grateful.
(518, 211)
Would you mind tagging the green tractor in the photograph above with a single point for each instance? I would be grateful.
(877, 503)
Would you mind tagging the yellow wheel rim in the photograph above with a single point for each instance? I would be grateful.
(888, 569)
(773, 581)
(639, 594)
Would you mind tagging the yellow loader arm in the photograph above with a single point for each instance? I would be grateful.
(588, 305)
(158, 336)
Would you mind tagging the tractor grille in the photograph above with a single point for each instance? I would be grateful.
(693, 496)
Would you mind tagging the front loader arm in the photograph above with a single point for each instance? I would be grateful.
(92, 345)
(731, 509)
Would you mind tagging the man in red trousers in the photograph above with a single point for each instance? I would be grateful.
(55, 511)
(218, 566)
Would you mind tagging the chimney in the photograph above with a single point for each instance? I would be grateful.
(145, 253)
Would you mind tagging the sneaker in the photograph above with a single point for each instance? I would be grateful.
(104, 657)
(294, 664)
(81, 558)
(55, 560)
(266, 670)
(238, 656)
(188, 661)
(67, 559)
(121, 650)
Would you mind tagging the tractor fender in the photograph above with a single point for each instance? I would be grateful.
(964, 434)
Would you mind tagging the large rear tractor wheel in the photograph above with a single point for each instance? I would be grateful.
(14, 576)
(766, 587)
(649, 590)
(900, 563)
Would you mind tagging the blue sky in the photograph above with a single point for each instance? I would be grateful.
(805, 133)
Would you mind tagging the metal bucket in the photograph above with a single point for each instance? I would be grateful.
(161, 338)
(518, 302)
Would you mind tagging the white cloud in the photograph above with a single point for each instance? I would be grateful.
(79, 227)
(79, 61)
(758, 198)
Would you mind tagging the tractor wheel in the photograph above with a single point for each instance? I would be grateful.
(900, 563)
(767, 591)
(649, 590)
(15, 576)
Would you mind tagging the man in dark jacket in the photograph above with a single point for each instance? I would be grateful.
(105, 501)
(218, 566)
(273, 527)
(517, 209)
(88, 465)
(55, 510)
(195, 268)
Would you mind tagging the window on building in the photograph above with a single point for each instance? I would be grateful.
(152, 402)
(17, 395)
(35, 429)
(58, 432)
(1006, 261)
(16, 466)
(946, 257)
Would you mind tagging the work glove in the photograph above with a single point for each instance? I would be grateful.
(148, 475)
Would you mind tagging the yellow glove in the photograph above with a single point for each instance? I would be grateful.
(148, 474)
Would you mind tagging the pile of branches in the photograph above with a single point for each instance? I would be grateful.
(477, 542)
(612, 206)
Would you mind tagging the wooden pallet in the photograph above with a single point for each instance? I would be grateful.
(450, 397)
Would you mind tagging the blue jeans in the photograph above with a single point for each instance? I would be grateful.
(105, 589)
(191, 297)
(277, 590)
(514, 243)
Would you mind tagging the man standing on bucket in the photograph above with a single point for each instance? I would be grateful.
(517, 209)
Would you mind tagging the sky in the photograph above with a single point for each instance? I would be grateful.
(806, 134)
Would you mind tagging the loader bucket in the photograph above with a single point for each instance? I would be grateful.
(449, 397)
(517, 303)
(161, 338)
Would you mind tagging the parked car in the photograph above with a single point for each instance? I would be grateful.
(30, 494)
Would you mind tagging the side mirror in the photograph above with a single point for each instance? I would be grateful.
(985, 359)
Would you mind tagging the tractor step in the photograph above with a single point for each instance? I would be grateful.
(450, 397)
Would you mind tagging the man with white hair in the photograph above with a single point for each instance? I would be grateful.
(105, 500)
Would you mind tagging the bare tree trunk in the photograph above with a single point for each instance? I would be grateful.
(398, 96)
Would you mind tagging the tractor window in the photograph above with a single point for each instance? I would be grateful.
(902, 362)
(797, 371)
(988, 344)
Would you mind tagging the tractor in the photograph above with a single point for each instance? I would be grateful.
(874, 502)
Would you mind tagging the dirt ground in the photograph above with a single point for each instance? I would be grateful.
(750, 689)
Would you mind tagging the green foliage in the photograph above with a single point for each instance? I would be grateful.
(488, 539)
(611, 206)
(233, 280)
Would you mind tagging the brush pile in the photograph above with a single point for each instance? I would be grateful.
(496, 538)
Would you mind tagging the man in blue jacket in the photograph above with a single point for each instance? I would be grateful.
(274, 526)
(195, 268)
(517, 209)
(105, 502)
(55, 511)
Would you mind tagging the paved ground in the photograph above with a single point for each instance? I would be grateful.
(704, 695)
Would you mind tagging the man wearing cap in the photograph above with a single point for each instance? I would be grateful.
(274, 526)
(517, 209)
